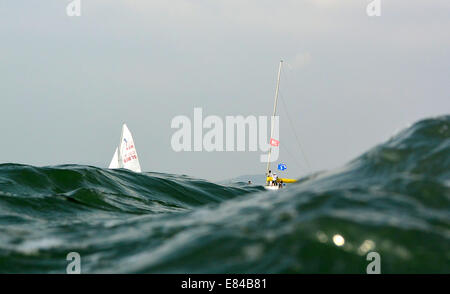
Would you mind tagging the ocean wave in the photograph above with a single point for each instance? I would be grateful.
(393, 199)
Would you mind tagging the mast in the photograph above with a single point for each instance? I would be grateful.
(273, 115)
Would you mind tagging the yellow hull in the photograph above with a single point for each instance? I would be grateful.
(269, 179)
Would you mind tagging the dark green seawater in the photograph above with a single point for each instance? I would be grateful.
(393, 199)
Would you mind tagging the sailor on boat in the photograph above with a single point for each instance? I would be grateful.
(274, 180)
(269, 175)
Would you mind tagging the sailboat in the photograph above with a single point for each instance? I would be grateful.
(269, 180)
(125, 155)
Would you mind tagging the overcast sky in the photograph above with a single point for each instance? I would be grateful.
(68, 83)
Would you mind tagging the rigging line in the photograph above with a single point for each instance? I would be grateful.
(285, 75)
(287, 86)
(295, 133)
(292, 156)
(290, 119)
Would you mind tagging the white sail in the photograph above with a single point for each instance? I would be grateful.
(128, 157)
(115, 160)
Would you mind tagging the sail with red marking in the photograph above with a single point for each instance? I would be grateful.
(126, 155)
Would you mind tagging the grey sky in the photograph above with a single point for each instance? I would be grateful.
(67, 84)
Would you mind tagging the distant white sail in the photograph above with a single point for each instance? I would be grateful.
(115, 160)
(126, 155)
(127, 151)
